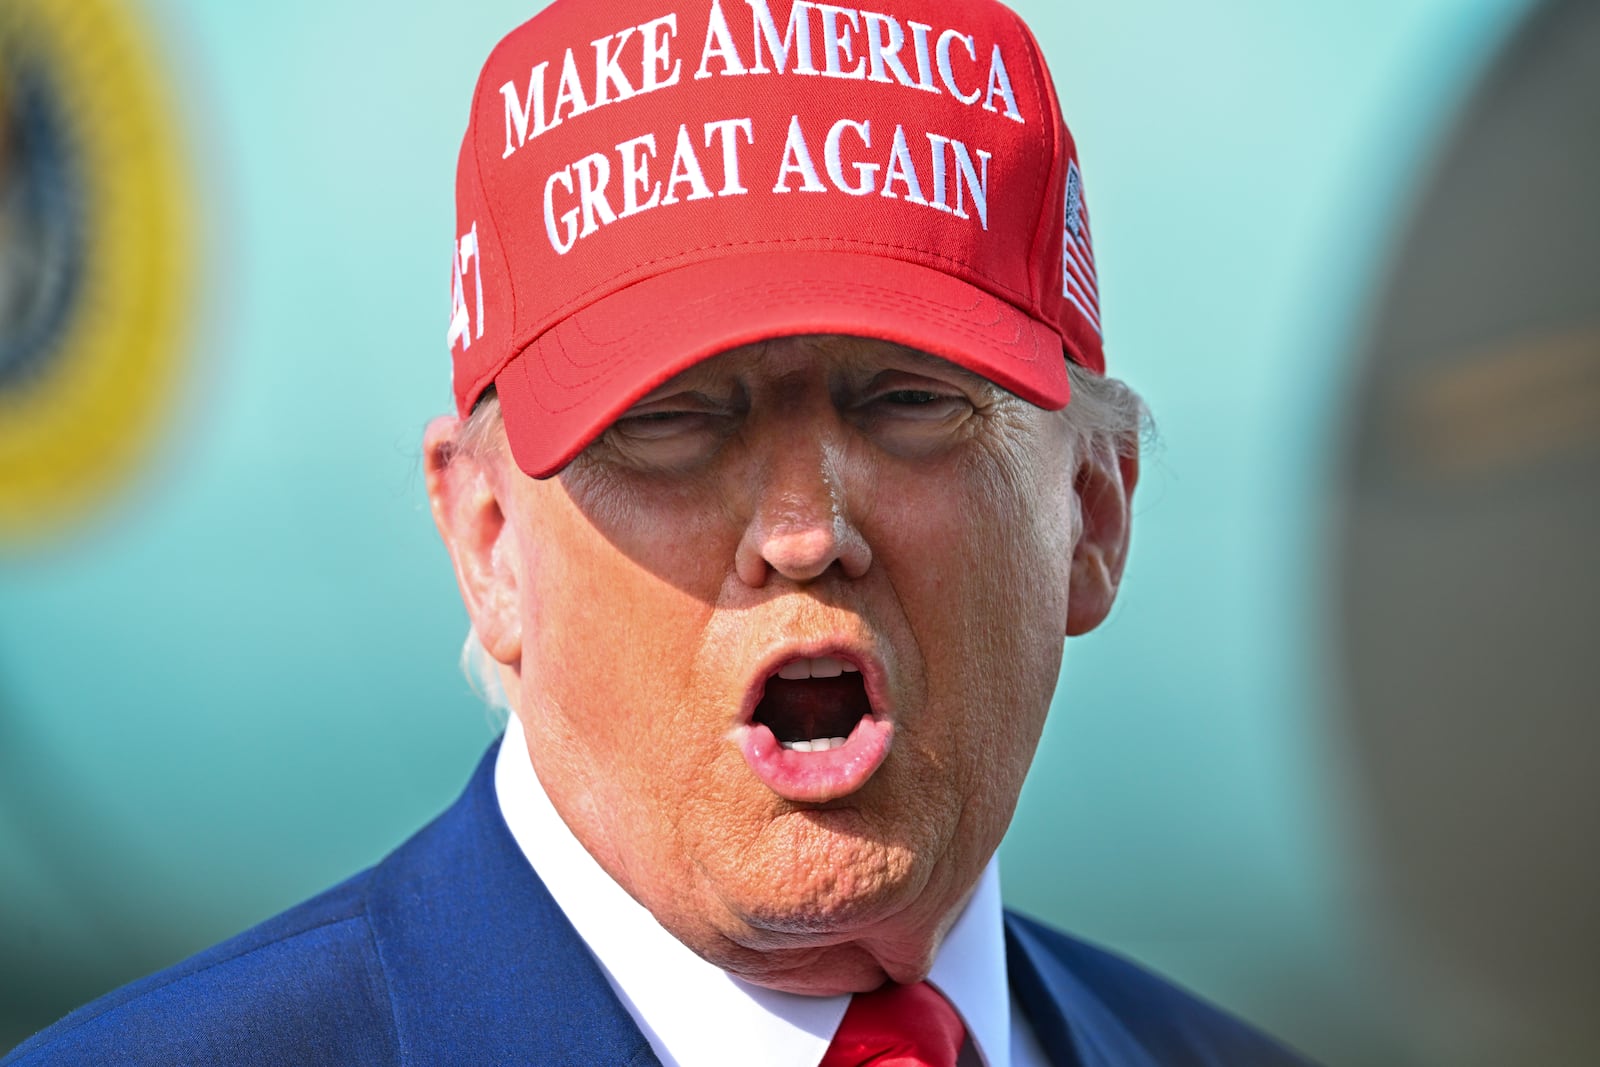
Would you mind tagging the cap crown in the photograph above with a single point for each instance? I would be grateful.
(610, 143)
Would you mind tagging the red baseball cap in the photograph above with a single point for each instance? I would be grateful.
(646, 183)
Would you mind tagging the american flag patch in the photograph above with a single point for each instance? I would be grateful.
(1079, 283)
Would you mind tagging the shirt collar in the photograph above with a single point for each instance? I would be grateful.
(693, 1013)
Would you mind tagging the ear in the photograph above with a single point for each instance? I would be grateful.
(464, 491)
(1104, 483)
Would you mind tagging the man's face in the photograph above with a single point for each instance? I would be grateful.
(893, 525)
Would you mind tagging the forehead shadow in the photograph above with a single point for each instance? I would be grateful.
(854, 353)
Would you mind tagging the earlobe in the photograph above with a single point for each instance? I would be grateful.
(1104, 484)
(464, 492)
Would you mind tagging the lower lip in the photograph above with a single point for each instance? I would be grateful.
(815, 777)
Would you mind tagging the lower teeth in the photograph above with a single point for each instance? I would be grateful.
(819, 744)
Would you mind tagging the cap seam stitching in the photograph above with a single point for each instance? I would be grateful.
(613, 367)
(482, 380)
(598, 290)
(792, 241)
(1054, 122)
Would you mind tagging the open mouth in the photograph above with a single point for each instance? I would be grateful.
(814, 733)
(813, 705)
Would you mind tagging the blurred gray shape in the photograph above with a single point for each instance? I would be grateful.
(1468, 590)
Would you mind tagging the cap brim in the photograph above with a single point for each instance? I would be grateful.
(562, 390)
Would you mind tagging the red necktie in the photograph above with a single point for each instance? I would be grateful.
(897, 1026)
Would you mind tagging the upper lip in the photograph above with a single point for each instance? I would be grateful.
(874, 675)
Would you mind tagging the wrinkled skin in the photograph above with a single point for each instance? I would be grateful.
(826, 489)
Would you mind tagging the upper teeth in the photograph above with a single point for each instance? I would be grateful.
(821, 667)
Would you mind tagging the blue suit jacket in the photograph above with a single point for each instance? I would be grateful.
(451, 951)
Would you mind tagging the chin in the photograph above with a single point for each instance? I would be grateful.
(811, 876)
(830, 970)
(853, 973)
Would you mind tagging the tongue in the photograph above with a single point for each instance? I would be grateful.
(805, 708)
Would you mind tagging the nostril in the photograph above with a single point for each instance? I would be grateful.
(801, 551)
(800, 524)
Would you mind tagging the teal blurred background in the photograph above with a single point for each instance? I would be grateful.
(233, 681)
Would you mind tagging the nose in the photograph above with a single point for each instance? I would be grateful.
(800, 524)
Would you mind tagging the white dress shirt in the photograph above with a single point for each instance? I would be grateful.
(695, 1014)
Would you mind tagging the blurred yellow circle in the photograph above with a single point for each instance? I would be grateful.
(94, 259)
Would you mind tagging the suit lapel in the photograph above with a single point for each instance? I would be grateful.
(1074, 1026)
(482, 965)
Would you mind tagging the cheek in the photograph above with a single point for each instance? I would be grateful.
(981, 565)
(678, 530)
(987, 545)
(623, 575)
(611, 621)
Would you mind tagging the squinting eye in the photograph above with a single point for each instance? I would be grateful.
(911, 397)
(918, 404)
(912, 420)
(654, 425)
(669, 438)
